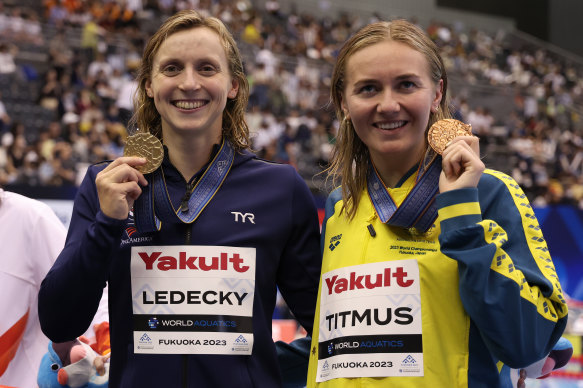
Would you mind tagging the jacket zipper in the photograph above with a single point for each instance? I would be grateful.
(187, 240)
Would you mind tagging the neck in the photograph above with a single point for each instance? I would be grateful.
(391, 170)
(190, 154)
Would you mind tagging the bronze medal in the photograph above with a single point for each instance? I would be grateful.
(145, 145)
(444, 131)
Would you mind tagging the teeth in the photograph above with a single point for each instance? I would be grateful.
(189, 104)
(392, 125)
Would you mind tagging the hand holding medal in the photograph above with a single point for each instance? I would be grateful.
(461, 163)
(121, 182)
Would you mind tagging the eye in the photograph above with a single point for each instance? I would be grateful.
(207, 69)
(367, 89)
(171, 70)
(408, 85)
(55, 367)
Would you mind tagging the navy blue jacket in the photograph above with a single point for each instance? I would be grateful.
(97, 251)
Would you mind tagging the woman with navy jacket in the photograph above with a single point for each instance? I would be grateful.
(193, 250)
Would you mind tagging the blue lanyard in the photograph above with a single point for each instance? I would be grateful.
(153, 206)
(418, 210)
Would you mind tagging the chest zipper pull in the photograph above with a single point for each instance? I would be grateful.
(371, 230)
(186, 197)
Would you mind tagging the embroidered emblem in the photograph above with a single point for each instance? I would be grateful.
(334, 242)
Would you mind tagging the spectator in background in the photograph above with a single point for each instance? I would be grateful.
(7, 53)
(4, 117)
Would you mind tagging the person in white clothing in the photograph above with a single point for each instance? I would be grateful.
(31, 236)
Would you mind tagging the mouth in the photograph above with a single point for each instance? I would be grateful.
(388, 126)
(189, 104)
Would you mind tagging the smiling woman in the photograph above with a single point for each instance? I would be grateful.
(433, 259)
(187, 243)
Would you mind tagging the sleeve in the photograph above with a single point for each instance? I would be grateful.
(298, 280)
(299, 271)
(71, 292)
(508, 284)
(49, 236)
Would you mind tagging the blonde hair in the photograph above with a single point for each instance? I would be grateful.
(350, 158)
(146, 116)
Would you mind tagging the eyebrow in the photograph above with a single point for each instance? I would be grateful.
(407, 76)
(398, 78)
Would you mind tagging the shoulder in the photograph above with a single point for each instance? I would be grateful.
(333, 198)
(27, 210)
(496, 183)
(501, 196)
(497, 178)
(93, 170)
(22, 204)
(270, 172)
(97, 167)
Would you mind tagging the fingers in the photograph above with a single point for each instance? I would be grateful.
(473, 142)
(461, 164)
(118, 186)
(131, 161)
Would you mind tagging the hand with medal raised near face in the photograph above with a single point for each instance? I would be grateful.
(118, 186)
(460, 151)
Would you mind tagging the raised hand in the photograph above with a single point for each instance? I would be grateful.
(461, 164)
(118, 186)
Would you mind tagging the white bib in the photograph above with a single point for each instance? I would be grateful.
(193, 299)
(370, 321)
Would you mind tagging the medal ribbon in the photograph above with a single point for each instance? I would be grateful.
(418, 209)
(154, 206)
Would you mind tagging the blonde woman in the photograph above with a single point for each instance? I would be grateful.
(435, 272)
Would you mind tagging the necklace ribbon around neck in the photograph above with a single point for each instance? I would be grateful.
(418, 210)
(153, 206)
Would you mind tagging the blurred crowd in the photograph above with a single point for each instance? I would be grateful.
(71, 109)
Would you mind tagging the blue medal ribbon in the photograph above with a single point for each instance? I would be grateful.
(154, 206)
(418, 210)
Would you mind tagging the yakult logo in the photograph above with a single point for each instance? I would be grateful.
(223, 262)
(337, 285)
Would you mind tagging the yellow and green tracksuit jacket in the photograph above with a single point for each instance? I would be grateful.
(489, 294)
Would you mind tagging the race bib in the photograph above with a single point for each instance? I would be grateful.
(370, 321)
(193, 299)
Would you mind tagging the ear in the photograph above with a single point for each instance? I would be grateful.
(234, 89)
(438, 96)
(149, 90)
(344, 109)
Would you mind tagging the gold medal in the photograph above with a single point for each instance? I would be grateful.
(145, 145)
(444, 131)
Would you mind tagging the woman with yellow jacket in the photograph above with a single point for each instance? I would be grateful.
(435, 271)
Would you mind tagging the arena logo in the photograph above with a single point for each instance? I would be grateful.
(335, 241)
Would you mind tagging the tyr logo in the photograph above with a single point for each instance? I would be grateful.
(246, 216)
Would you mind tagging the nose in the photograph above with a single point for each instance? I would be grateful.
(387, 102)
(189, 80)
